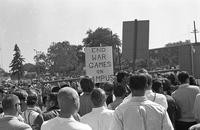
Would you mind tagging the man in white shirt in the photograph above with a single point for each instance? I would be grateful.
(185, 97)
(150, 95)
(100, 117)
(69, 104)
(139, 113)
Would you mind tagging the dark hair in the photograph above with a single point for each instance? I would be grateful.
(119, 91)
(87, 84)
(107, 87)
(53, 97)
(166, 86)
(121, 75)
(31, 100)
(22, 94)
(55, 89)
(98, 97)
(138, 82)
(9, 101)
(157, 84)
(192, 80)
(183, 76)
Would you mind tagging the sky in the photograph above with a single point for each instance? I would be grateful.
(35, 24)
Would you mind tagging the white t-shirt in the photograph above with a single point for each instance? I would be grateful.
(58, 123)
(99, 118)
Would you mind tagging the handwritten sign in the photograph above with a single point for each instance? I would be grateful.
(99, 63)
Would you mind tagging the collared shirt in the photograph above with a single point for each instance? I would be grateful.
(155, 97)
(141, 114)
(86, 104)
(185, 97)
(59, 123)
(197, 108)
(99, 118)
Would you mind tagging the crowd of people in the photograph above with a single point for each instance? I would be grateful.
(134, 101)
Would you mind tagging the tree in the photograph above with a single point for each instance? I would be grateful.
(17, 64)
(41, 63)
(64, 58)
(101, 37)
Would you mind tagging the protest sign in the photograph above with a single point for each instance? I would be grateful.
(99, 63)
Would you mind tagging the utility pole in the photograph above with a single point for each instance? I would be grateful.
(195, 31)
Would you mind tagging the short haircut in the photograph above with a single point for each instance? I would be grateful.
(9, 101)
(98, 97)
(55, 89)
(121, 75)
(107, 87)
(87, 84)
(32, 100)
(157, 84)
(138, 82)
(119, 91)
(22, 94)
(183, 76)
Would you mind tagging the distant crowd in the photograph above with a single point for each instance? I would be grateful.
(134, 101)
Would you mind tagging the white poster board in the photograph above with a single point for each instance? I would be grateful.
(99, 63)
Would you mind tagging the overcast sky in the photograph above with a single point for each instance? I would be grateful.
(34, 24)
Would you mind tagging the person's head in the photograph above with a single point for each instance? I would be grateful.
(183, 77)
(167, 86)
(157, 86)
(192, 80)
(32, 100)
(138, 84)
(119, 91)
(98, 97)
(122, 77)
(142, 71)
(51, 100)
(11, 105)
(68, 101)
(87, 84)
(55, 89)
(22, 95)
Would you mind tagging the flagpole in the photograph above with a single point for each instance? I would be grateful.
(192, 59)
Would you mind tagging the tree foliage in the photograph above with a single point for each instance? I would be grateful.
(17, 63)
(64, 58)
(101, 37)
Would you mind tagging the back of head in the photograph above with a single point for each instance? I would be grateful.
(55, 89)
(32, 100)
(121, 75)
(157, 86)
(87, 84)
(22, 94)
(119, 91)
(10, 103)
(98, 97)
(183, 77)
(138, 82)
(68, 100)
(192, 80)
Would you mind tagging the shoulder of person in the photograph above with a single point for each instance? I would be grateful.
(22, 126)
(83, 126)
